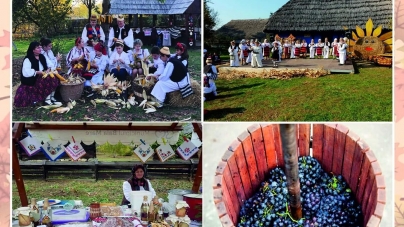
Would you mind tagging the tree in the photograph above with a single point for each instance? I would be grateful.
(91, 5)
(289, 150)
(49, 15)
(210, 19)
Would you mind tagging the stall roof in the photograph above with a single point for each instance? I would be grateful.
(149, 6)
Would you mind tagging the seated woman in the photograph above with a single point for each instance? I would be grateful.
(78, 54)
(209, 89)
(119, 62)
(137, 183)
(136, 56)
(34, 88)
(174, 76)
(157, 67)
(97, 66)
(47, 52)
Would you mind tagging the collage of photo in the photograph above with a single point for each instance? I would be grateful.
(189, 113)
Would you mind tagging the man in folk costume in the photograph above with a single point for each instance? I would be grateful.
(312, 48)
(319, 48)
(303, 48)
(256, 55)
(233, 52)
(121, 32)
(326, 50)
(334, 46)
(286, 48)
(92, 34)
(342, 47)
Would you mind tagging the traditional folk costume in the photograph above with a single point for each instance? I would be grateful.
(249, 57)
(233, 50)
(267, 48)
(75, 52)
(210, 74)
(279, 49)
(121, 33)
(334, 45)
(286, 49)
(91, 35)
(33, 87)
(243, 52)
(292, 49)
(312, 48)
(256, 55)
(342, 46)
(51, 60)
(303, 48)
(119, 69)
(297, 49)
(174, 77)
(275, 52)
(326, 50)
(157, 67)
(96, 73)
(319, 48)
(136, 57)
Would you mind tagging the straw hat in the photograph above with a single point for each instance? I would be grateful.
(120, 18)
(93, 17)
(165, 51)
(119, 42)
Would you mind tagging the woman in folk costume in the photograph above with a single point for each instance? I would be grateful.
(47, 52)
(342, 47)
(243, 52)
(34, 88)
(275, 52)
(119, 62)
(326, 50)
(78, 54)
(136, 56)
(286, 48)
(312, 48)
(97, 66)
(256, 55)
(319, 48)
(279, 47)
(292, 49)
(267, 49)
(303, 48)
(174, 76)
(297, 47)
(249, 57)
(233, 50)
(335, 48)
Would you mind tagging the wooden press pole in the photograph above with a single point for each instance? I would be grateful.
(198, 177)
(16, 167)
(289, 150)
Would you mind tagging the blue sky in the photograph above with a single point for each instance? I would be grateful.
(247, 9)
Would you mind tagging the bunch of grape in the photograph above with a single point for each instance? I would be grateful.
(326, 200)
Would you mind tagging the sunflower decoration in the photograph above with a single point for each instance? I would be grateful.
(372, 43)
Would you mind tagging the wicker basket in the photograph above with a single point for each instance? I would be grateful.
(71, 91)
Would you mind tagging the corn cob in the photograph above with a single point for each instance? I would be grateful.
(61, 78)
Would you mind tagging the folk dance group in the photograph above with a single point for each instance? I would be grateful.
(124, 61)
(254, 52)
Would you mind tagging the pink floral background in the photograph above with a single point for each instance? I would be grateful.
(399, 111)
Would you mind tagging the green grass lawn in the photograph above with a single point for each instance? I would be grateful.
(366, 96)
(90, 191)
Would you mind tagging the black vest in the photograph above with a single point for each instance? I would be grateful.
(207, 69)
(135, 187)
(124, 34)
(30, 81)
(179, 72)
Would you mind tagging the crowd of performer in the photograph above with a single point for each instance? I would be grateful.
(122, 56)
(253, 52)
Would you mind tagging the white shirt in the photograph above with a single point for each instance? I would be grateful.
(50, 59)
(27, 71)
(127, 189)
(128, 40)
(115, 56)
(84, 36)
(101, 62)
(159, 65)
(142, 53)
(168, 71)
(75, 53)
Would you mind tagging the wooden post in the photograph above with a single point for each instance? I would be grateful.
(289, 150)
(198, 176)
(154, 20)
(17, 169)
